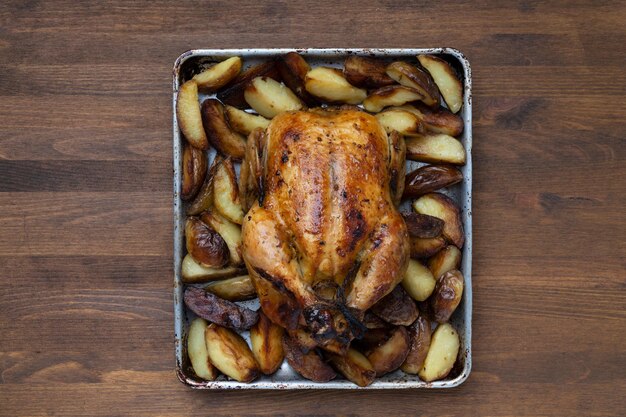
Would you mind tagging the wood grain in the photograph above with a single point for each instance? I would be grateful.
(86, 320)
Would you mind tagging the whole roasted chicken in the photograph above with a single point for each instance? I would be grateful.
(323, 240)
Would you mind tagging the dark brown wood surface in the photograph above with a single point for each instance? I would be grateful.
(86, 309)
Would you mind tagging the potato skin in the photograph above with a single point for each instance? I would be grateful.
(193, 272)
(443, 207)
(212, 308)
(197, 351)
(204, 198)
(419, 336)
(230, 353)
(430, 178)
(226, 192)
(442, 354)
(219, 75)
(396, 307)
(310, 365)
(205, 244)
(234, 95)
(440, 120)
(391, 354)
(446, 79)
(425, 248)
(293, 68)
(354, 366)
(194, 171)
(267, 344)
(435, 148)
(446, 260)
(225, 140)
(412, 76)
(366, 72)
(422, 225)
(391, 95)
(233, 289)
(447, 295)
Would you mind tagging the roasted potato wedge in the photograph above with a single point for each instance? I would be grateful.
(233, 289)
(330, 85)
(397, 308)
(193, 172)
(244, 122)
(234, 95)
(392, 95)
(444, 76)
(419, 336)
(216, 310)
(366, 72)
(193, 272)
(372, 321)
(293, 69)
(414, 77)
(443, 207)
(401, 121)
(447, 295)
(230, 232)
(391, 354)
(308, 364)
(230, 353)
(220, 74)
(268, 97)
(226, 192)
(397, 167)
(442, 354)
(251, 172)
(354, 366)
(204, 198)
(222, 137)
(197, 351)
(422, 226)
(425, 248)
(418, 281)
(266, 339)
(206, 246)
(446, 260)
(188, 115)
(437, 148)
(303, 339)
(440, 120)
(430, 178)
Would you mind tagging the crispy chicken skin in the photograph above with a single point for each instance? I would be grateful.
(324, 241)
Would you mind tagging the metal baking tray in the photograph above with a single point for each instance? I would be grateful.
(193, 61)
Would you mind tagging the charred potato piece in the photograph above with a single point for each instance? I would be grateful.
(425, 248)
(437, 148)
(310, 365)
(218, 75)
(266, 339)
(269, 97)
(430, 178)
(293, 69)
(244, 122)
(330, 85)
(197, 351)
(442, 354)
(397, 308)
(303, 339)
(422, 225)
(234, 95)
(230, 232)
(226, 192)
(205, 245)
(193, 272)
(366, 72)
(194, 170)
(392, 95)
(372, 321)
(448, 83)
(414, 77)
(354, 366)
(443, 207)
(447, 295)
(230, 353)
(440, 120)
(446, 260)
(226, 141)
(188, 115)
(204, 198)
(419, 336)
(223, 312)
(418, 281)
(401, 121)
(233, 289)
(391, 354)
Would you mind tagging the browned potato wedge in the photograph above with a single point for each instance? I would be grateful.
(354, 366)
(194, 170)
(442, 354)
(440, 120)
(446, 80)
(197, 351)
(251, 172)
(397, 167)
(411, 76)
(330, 85)
(402, 121)
(390, 355)
(443, 207)
(205, 245)
(266, 339)
(310, 365)
(268, 97)
(303, 339)
(231, 233)
(366, 72)
(204, 198)
(418, 281)
(230, 353)
(244, 122)
(419, 336)
(223, 312)
(225, 140)
(447, 295)
(430, 178)
(226, 192)
(218, 75)
(425, 248)
(293, 69)
(372, 321)
(446, 260)
(233, 289)
(396, 308)
(422, 226)
(234, 95)
(435, 148)
(188, 115)
(193, 272)
(392, 95)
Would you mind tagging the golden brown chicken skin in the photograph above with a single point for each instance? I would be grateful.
(324, 241)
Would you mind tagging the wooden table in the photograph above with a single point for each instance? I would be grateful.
(86, 324)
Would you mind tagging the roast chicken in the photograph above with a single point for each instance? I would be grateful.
(323, 239)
